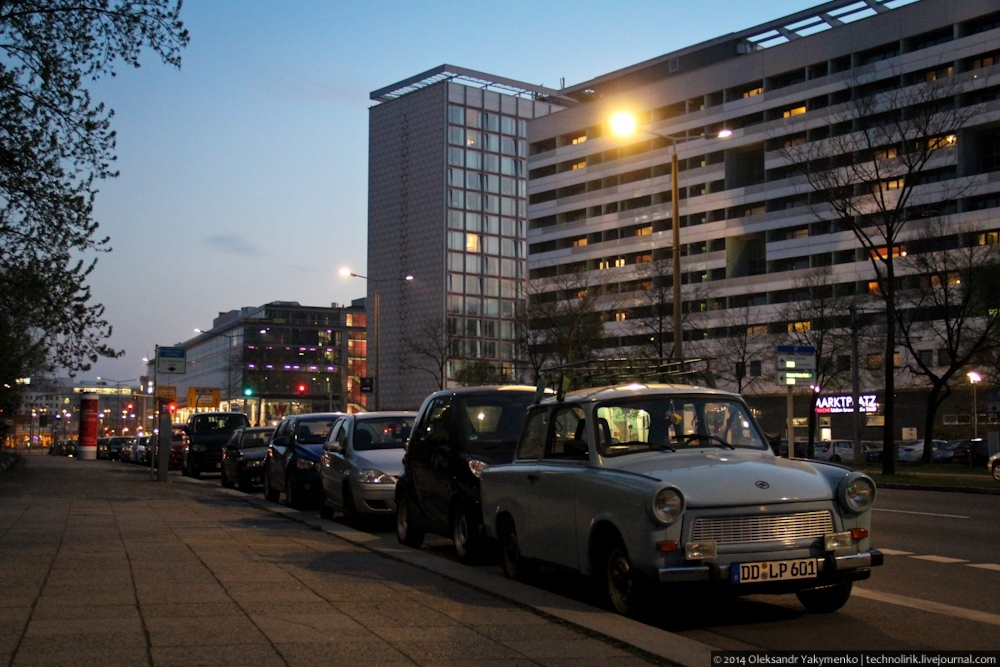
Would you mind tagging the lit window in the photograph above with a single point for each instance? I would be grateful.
(579, 243)
(757, 330)
(797, 111)
(942, 142)
(620, 261)
(644, 231)
(580, 165)
(581, 294)
(602, 264)
(799, 327)
(753, 92)
(579, 140)
(472, 243)
(643, 259)
(989, 238)
(620, 316)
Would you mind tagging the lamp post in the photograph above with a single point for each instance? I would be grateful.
(347, 273)
(118, 397)
(624, 124)
(974, 379)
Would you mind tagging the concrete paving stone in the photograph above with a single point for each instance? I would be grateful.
(107, 641)
(252, 655)
(113, 579)
(274, 592)
(627, 660)
(86, 595)
(111, 611)
(350, 591)
(312, 629)
(394, 614)
(543, 631)
(168, 593)
(251, 572)
(442, 634)
(474, 649)
(343, 654)
(60, 656)
(153, 610)
(9, 640)
(280, 609)
(581, 647)
(194, 631)
(471, 615)
(84, 625)
(458, 661)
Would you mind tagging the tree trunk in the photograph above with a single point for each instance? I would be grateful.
(889, 454)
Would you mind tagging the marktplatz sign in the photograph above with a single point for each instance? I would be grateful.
(833, 405)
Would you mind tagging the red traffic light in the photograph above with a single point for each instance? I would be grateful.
(172, 407)
(129, 407)
(301, 389)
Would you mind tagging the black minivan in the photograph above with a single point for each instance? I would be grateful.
(457, 433)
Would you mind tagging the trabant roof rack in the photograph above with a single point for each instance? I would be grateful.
(605, 372)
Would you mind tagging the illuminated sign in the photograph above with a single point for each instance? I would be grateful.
(827, 405)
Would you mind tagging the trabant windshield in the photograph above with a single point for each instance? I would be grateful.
(671, 424)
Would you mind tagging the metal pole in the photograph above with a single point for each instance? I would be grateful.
(378, 342)
(859, 455)
(675, 224)
(975, 415)
(791, 422)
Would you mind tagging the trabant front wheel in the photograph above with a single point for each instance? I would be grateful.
(624, 591)
(827, 599)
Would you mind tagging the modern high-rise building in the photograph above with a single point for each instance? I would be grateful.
(754, 117)
(447, 220)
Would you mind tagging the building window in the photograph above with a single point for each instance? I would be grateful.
(579, 165)
(799, 327)
(620, 316)
(796, 111)
(927, 357)
(874, 361)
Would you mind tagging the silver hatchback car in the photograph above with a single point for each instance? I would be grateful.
(361, 460)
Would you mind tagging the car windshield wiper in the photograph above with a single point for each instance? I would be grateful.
(691, 437)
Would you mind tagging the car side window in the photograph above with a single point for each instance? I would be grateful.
(345, 429)
(337, 427)
(536, 429)
(234, 439)
(569, 439)
(439, 421)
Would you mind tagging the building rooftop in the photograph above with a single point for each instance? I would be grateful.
(780, 31)
(468, 77)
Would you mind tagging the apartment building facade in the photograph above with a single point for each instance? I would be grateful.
(754, 236)
(447, 225)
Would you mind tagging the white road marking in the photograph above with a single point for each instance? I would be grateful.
(985, 566)
(940, 559)
(895, 552)
(947, 516)
(926, 605)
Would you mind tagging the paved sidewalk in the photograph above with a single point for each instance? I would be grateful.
(101, 566)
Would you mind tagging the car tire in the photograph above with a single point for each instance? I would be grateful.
(351, 515)
(622, 588)
(996, 471)
(515, 566)
(291, 497)
(463, 533)
(827, 599)
(269, 492)
(407, 531)
(224, 479)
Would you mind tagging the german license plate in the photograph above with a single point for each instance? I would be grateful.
(774, 570)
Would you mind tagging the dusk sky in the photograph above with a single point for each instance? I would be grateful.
(244, 174)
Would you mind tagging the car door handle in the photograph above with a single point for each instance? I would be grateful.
(533, 478)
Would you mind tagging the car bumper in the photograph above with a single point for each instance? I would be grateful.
(375, 499)
(849, 567)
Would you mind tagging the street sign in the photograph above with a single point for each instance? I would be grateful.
(166, 392)
(172, 360)
(799, 357)
(367, 385)
(203, 397)
(789, 377)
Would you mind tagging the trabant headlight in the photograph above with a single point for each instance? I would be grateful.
(668, 505)
(856, 492)
(374, 477)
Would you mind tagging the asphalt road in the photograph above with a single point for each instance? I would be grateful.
(938, 590)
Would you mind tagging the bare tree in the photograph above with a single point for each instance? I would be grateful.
(947, 309)
(740, 358)
(429, 348)
(565, 318)
(821, 322)
(870, 170)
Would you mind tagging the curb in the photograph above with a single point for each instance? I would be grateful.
(945, 489)
(647, 641)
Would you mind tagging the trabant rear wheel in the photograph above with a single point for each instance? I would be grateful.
(621, 584)
(827, 599)
(515, 565)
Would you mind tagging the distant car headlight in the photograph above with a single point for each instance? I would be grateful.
(856, 492)
(197, 448)
(303, 464)
(255, 464)
(668, 505)
(375, 477)
(477, 467)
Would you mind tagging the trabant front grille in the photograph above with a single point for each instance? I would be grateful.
(743, 529)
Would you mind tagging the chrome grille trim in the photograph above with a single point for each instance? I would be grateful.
(762, 528)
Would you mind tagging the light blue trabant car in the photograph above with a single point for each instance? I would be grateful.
(643, 485)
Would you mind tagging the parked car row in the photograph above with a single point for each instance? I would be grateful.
(641, 487)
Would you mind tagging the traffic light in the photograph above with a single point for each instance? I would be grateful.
(171, 407)
(129, 407)
(248, 391)
(302, 389)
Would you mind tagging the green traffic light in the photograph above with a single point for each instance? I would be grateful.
(248, 392)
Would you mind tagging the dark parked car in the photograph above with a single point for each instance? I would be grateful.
(178, 443)
(971, 452)
(102, 448)
(292, 462)
(361, 461)
(243, 458)
(458, 432)
(115, 445)
(208, 433)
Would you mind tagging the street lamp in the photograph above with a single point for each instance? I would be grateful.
(974, 379)
(347, 273)
(624, 124)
